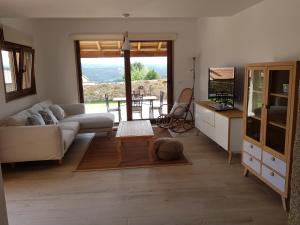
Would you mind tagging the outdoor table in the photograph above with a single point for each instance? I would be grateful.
(149, 98)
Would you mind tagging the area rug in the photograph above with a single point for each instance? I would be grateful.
(102, 154)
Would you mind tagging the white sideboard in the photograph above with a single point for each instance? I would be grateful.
(223, 127)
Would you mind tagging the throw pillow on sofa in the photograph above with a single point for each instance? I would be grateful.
(35, 120)
(48, 116)
(178, 109)
(58, 112)
(19, 119)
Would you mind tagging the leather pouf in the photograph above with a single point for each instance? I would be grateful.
(168, 148)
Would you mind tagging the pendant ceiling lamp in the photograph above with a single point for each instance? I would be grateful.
(126, 43)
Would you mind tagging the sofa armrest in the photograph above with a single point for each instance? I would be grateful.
(31, 143)
(73, 109)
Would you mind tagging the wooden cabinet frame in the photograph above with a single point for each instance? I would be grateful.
(245, 111)
(292, 101)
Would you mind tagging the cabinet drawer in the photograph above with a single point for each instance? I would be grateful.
(251, 162)
(276, 180)
(252, 149)
(209, 117)
(275, 163)
(208, 130)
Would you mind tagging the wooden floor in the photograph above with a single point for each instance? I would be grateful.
(209, 192)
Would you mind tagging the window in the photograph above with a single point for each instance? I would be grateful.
(18, 70)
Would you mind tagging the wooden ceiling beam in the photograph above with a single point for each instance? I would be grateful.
(108, 54)
(87, 42)
(118, 49)
(146, 49)
(88, 49)
(92, 49)
(159, 46)
(102, 50)
(98, 45)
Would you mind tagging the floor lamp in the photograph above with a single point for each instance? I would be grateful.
(193, 88)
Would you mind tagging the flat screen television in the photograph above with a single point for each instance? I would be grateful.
(221, 85)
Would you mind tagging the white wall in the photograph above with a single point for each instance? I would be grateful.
(28, 27)
(268, 31)
(55, 68)
(3, 213)
(59, 55)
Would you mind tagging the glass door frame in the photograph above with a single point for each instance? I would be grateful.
(266, 108)
(170, 82)
(246, 97)
(127, 70)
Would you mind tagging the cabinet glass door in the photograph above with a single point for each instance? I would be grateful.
(255, 100)
(277, 108)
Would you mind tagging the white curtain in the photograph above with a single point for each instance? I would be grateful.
(28, 68)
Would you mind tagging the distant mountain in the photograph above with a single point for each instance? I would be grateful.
(102, 73)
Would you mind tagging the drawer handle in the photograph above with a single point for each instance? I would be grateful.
(272, 174)
(273, 159)
(250, 159)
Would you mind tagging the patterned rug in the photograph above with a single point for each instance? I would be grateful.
(102, 154)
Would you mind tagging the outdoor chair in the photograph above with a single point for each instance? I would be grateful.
(141, 90)
(112, 109)
(137, 104)
(180, 119)
(157, 107)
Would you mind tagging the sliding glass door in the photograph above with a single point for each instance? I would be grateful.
(149, 76)
(135, 84)
(101, 78)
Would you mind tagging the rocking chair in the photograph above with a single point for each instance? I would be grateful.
(180, 118)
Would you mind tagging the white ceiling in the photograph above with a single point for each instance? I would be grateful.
(115, 8)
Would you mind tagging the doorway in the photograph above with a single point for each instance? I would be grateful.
(135, 84)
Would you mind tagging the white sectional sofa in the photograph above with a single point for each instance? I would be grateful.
(20, 142)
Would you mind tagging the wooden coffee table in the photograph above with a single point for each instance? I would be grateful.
(135, 131)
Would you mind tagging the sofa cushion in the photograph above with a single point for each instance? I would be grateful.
(35, 109)
(68, 138)
(45, 104)
(19, 119)
(93, 120)
(58, 112)
(36, 120)
(48, 116)
(178, 109)
(74, 126)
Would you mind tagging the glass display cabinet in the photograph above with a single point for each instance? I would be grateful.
(255, 98)
(270, 104)
(277, 109)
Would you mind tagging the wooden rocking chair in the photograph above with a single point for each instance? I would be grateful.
(180, 119)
